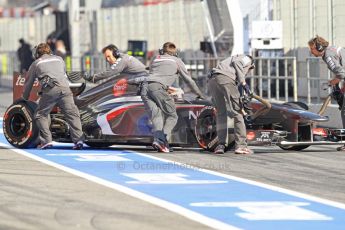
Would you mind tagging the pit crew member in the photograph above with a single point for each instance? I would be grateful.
(165, 69)
(333, 56)
(119, 63)
(51, 72)
(223, 86)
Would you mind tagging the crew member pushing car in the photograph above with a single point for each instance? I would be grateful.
(334, 57)
(119, 63)
(51, 72)
(223, 86)
(164, 71)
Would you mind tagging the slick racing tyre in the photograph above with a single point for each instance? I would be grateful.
(303, 133)
(98, 144)
(205, 128)
(19, 126)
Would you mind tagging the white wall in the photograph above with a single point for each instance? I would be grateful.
(33, 29)
(303, 19)
(156, 24)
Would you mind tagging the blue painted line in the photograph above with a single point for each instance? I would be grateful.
(231, 201)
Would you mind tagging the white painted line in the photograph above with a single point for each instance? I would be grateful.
(256, 183)
(153, 200)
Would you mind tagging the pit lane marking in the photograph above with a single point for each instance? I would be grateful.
(259, 184)
(192, 210)
(131, 192)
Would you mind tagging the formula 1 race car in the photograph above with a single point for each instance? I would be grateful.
(113, 113)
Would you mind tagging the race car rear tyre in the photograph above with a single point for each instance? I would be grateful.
(19, 126)
(205, 128)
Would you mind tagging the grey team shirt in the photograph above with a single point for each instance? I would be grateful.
(233, 68)
(165, 69)
(334, 58)
(51, 65)
(124, 63)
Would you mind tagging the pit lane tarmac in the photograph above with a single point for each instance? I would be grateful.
(133, 188)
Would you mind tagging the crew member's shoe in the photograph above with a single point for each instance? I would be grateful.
(78, 146)
(220, 149)
(160, 147)
(341, 148)
(169, 147)
(45, 146)
(243, 150)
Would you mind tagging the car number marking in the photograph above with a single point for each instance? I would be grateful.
(270, 210)
(166, 178)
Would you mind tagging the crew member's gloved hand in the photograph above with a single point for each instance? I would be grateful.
(246, 89)
(210, 73)
(88, 77)
(248, 119)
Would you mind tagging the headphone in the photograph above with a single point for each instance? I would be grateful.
(252, 63)
(161, 52)
(115, 51)
(319, 47)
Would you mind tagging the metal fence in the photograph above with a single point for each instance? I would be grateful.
(272, 78)
(275, 78)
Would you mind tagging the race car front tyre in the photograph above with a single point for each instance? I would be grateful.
(19, 126)
(98, 144)
(294, 148)
(303, 134)
(303, 128)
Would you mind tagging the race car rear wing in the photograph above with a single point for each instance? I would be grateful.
(19, 81)
(18, 86)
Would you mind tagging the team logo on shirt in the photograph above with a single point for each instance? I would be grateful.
(330, 63)
(120, 87)
(246, 60)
